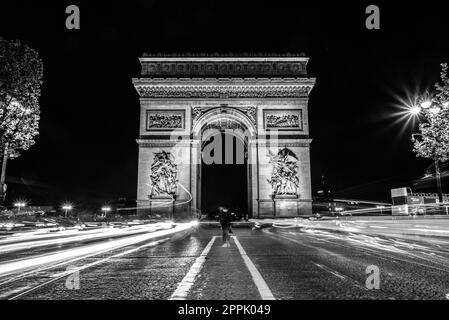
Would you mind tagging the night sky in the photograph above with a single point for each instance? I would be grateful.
(86, 151)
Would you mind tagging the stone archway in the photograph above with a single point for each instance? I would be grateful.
(262, 100)
(231, 122)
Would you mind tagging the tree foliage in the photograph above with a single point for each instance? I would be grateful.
(435, 130)
(21, 72)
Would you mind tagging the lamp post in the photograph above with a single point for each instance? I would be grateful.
(19, 205)
(105, 210)
(67, 208)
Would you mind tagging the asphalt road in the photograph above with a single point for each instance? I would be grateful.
(311, 262)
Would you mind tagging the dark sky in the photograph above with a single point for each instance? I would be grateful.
(90, 111)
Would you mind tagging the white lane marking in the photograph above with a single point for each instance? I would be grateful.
(186, 284)
(261, 285)
(339, 275)
(335, 273)
(90, 265)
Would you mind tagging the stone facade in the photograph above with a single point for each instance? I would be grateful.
(263, 100)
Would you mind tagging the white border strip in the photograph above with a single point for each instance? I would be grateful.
(186, 284)
(262, 286)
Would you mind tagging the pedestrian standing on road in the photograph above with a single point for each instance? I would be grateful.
(225, 222)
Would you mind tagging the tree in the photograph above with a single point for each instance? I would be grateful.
(21, 72)
(435, 130)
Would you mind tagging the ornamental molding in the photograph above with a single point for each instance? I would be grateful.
(281, 143)
(215, 81)
(197, 112)
(224, 66)
(165, 143)
(223, 124)
(224, 91)
(249, 111)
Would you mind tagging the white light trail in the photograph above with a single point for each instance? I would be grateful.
(58, 276)
(48, 259)
(11, 245)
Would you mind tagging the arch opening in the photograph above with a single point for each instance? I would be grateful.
(224, 168)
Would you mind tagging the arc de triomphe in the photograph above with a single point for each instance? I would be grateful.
(261, 100)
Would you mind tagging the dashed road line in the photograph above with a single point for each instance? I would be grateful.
(186, 284)
(335, 273)
(261, 285)
(339, 275)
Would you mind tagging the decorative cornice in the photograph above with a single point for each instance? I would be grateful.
(222, 55)
(224, 66)
(282, 143)
(163, 143)
(223, 91)
(224, 81)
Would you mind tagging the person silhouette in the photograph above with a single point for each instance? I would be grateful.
(225, 222)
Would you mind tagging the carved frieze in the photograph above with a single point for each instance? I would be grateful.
(158, 120)
(250, 91)
(224, 68)
(283, 119)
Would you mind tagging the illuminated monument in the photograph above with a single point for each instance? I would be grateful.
(260, 100)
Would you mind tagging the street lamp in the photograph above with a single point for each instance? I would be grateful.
(431, 108)
(67, 208)
(19, 204)
(415, 110)
(105, 210)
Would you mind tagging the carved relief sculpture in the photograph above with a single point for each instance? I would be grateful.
(165, 120)
(283, 120)
(251, 113)
(164, 175)
(197, 112)
(284, 176)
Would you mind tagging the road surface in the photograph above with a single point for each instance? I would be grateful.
(311, 261)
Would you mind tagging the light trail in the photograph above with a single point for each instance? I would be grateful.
(384, 209)
(61, 275)
(76, 253)
(161, 204)
(75, 237)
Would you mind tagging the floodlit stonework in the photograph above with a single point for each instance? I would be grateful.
(262, 100)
